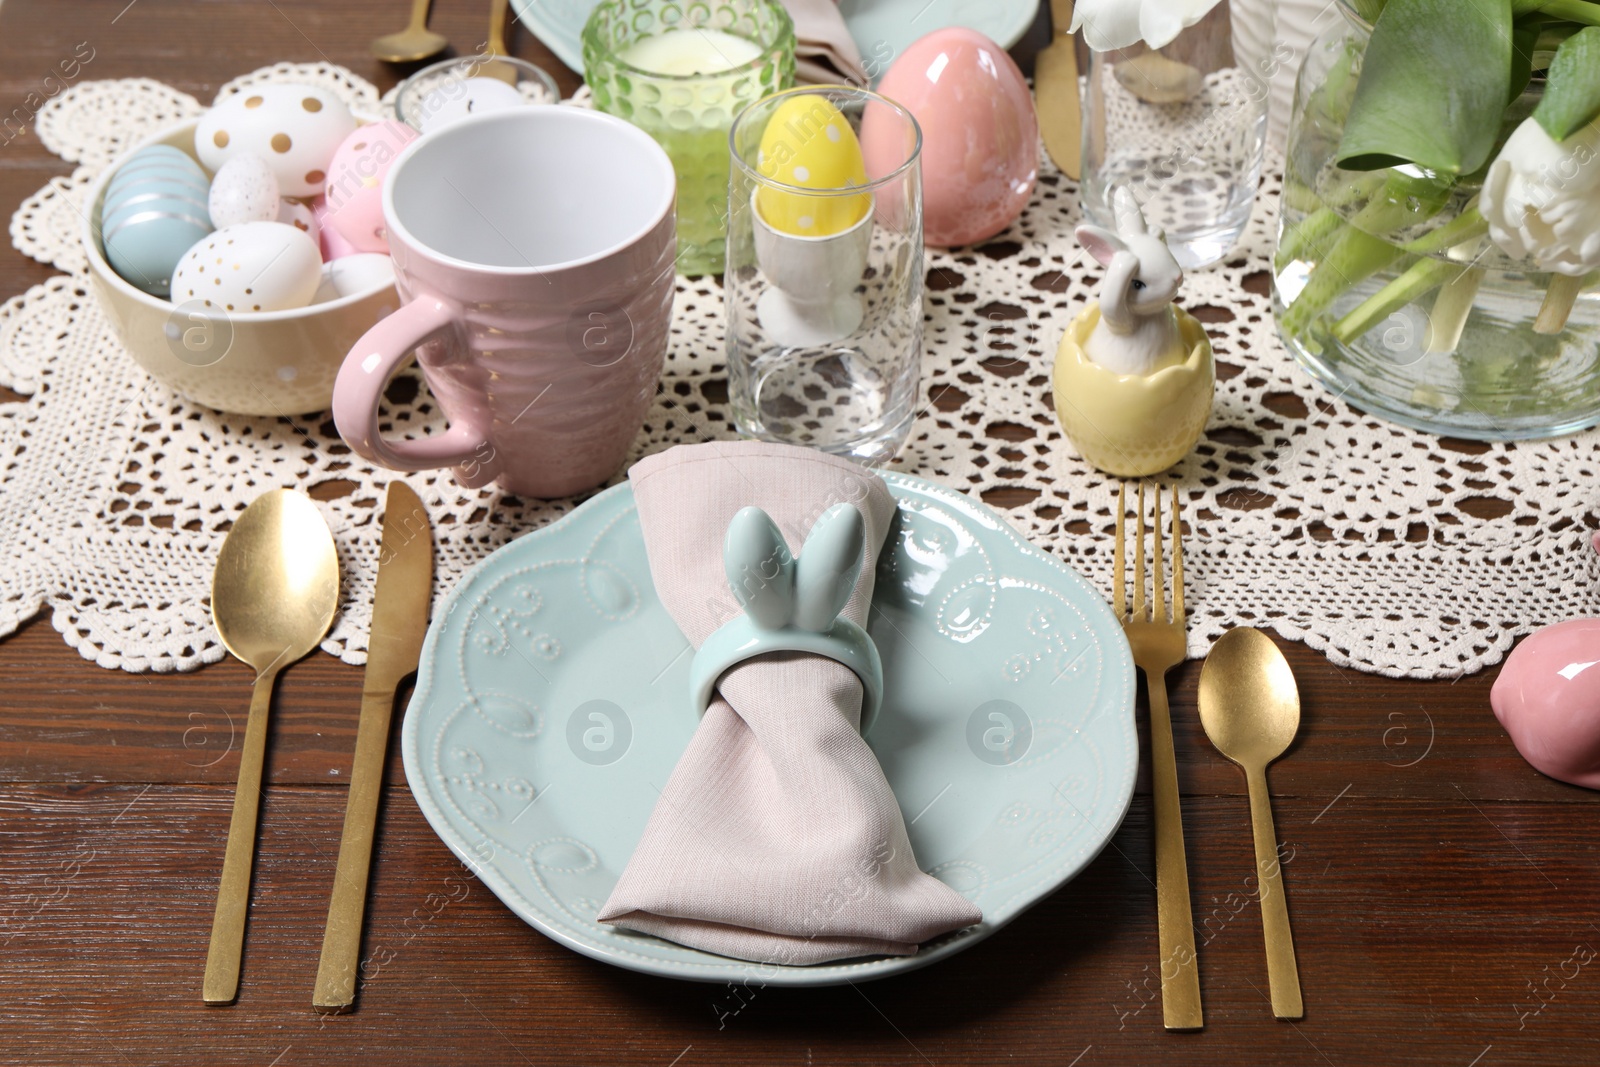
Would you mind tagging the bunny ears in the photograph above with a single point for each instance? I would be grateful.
(792, 605)
(1102, 243)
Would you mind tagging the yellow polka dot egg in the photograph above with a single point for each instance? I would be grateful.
(295, 128)
(808, 144)
(252, 266)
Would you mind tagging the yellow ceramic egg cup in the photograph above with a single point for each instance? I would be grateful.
(1132, 425)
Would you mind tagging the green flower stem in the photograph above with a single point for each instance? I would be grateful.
(1403, 201)
(1353, 257)
(1424, 276)
(1558, 300)
(1312, 234)
(1451, 308)
(1465, 228)
(1574, 11)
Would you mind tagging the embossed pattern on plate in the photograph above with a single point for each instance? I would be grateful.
(552, 704)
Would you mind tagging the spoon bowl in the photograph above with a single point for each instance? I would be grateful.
(273, 597)
(1249, 704)
(1250, 708)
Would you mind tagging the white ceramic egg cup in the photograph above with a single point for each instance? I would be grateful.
(812, 299)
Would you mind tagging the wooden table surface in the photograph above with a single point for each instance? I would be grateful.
(1444, 895)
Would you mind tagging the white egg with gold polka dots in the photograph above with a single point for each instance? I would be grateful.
(295, 128)
(254, 266)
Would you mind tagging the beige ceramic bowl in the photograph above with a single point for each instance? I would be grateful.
(249, 363)
(1133, 425)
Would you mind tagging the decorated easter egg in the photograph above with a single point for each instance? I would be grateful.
(349, 275)
(809, 144)
(254, 266)
(244, 190)
(154, 210)
(355, 182)
(1548, 698)
(301, 217)
(295, 128)
(980, 136)
(334, 246)
(456, 100)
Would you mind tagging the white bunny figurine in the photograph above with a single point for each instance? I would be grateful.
(1137, 332)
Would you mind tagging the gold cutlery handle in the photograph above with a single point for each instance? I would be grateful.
(341, 939)
(1282, 975)
(1180, 967)
(233, 892)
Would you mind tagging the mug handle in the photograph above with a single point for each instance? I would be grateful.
(366, 372)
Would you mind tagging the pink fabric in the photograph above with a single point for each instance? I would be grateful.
(824, 51)
(777, 838)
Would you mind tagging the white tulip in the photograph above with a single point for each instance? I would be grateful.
(1112, 24)
(1542, 199)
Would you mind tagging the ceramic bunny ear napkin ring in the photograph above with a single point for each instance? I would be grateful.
(1134, 375)
(792, 605)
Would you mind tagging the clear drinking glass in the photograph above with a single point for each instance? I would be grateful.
(1184, 127)
(689, 113)
(825, 332)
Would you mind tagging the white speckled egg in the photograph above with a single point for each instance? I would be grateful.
(154, 210)
(462, 99)
(295, 128)
(348, 275)
(244, 190)
(254, 266)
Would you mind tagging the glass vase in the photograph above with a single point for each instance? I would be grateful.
(1388, 290)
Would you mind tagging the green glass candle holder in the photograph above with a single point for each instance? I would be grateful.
(681, 72)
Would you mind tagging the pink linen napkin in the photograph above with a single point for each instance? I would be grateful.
(777, 838)
(824, 51)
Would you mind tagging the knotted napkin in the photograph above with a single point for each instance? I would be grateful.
(824, 51)
(777, 838)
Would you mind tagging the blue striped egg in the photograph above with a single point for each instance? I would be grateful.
(153, 212)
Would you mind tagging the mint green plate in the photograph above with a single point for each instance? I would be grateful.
(881, 28)
(553, 702)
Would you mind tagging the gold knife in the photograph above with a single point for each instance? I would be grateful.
(399, 620)
(1055, 90)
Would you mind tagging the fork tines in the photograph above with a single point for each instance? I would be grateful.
(1158, 605)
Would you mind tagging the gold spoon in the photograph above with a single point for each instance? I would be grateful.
(1250, 709)
(414, 42)
(495, 49)
(273, 596)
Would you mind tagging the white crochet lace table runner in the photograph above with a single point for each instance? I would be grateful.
(1326, 525)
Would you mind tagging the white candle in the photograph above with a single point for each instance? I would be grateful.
(687, 52)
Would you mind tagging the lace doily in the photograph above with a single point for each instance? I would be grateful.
(1332, 528)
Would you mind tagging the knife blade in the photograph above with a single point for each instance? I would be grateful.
(399, 621)
(1055, 89)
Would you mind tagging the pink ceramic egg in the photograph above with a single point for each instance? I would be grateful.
(1548, 699)
(980, 136)
(354, 192)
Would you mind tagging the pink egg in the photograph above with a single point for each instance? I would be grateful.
(1548, 699)
(980, 136)
(354, 191)
(333, 244)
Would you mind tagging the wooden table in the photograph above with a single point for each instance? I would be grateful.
(1444, 894)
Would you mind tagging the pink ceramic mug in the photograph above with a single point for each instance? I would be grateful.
(534, 249)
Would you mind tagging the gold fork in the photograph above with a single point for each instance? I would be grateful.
(1159, 645)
